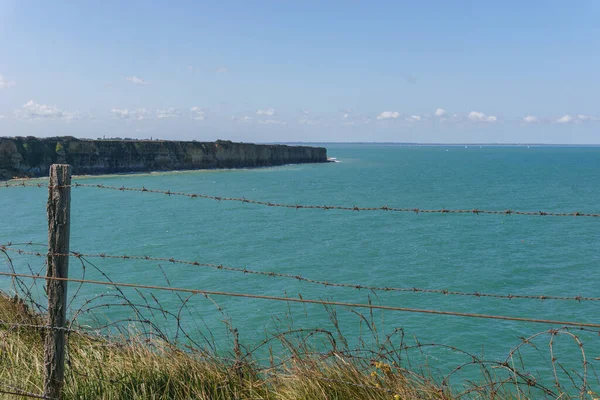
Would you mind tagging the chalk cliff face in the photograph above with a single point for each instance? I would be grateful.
(32, 157)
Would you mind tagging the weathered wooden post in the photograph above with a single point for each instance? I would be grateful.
(59, 210)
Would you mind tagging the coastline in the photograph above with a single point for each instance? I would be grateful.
(155, 173)
(31, 157)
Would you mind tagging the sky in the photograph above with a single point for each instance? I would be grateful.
(303, 71)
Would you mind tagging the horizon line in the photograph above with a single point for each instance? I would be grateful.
(447, 144)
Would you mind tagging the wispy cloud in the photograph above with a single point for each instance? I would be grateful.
(352, 118)
(2, 117)
(136, 115)
(33, 110)
(222, 70)
(414, 118)
(388, 115)
(198, 113)
(579, 118)
(586, 118)
(267, 111)
(531, 119)
(136, 81)
(481, 117)
(565, 119)
(243, 118)
(167, 113)
(271, 122)
(5, 83)
(308, 121)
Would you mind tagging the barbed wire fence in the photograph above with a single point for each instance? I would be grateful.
(57, 331)
(308, 206)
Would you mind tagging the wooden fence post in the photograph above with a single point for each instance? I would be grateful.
(59, 210)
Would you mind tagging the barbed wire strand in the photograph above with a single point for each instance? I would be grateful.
(304, 206)
(308, 301)
(300, 278)
(14, 391)
(12, 324)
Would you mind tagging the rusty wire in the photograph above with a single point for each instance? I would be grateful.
(15, 391)
(12, 324)
(304, 206)
(308, 301)
(300, 278)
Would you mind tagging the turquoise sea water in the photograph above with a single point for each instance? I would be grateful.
(505, 254)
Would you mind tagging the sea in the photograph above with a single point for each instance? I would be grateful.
(471, 253)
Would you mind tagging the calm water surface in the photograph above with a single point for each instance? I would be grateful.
(483, 253)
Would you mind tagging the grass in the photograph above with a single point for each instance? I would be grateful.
(119, 368)
(144, 366)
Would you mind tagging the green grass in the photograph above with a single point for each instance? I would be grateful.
(144, 367)
(98, 368)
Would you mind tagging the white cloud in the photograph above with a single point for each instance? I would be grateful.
(136, 81)
(565, 119)
(271, 122)
(388, 115)
(586, 118)
(308, 121)
(579, 118)
(267, 111)
(5, 83)
(414, 118)
(32, 110)
(244, 118)
(530, 119)
(222, 70)
(481, 117)
(440, 112)
(167, 113)
(198, 114)
(138, 115)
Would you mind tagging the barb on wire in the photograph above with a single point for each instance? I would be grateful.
(12, 324)
(15, 391)
(322, 207)
(300, 278)
(310, 301)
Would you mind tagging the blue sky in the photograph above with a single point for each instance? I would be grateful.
(430, 71)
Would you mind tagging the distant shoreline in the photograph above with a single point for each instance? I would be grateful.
(411, 144)
(155, 173)
(22, 157)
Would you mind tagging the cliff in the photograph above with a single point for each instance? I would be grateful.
(32, 157)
